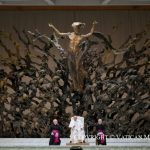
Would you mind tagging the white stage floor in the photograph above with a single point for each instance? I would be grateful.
(43, 142)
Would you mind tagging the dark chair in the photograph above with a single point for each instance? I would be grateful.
(76, 148)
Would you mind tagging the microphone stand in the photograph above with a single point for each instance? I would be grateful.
(87, 134)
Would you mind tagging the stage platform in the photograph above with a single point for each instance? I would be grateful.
(42, 144)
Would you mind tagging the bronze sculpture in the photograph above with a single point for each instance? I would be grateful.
(49, 93)
(76, 70)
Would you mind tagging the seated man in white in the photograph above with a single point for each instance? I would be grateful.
(77, 129)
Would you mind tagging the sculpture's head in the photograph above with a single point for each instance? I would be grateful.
(78, 26)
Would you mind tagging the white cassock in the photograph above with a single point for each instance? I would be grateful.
(77, 130)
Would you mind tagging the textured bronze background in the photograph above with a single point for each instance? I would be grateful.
(34, 76)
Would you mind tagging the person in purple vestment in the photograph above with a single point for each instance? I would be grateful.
(100, 131)
(55, 133)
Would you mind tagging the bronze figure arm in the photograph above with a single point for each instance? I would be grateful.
(92, 30)
(57, 31)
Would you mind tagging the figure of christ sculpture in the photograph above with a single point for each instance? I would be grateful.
(77, 129)
(76, 70)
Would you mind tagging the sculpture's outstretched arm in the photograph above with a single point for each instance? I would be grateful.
(92, 30)
(57, 31)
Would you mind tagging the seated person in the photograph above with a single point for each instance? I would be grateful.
(77, 130)
(55, 131)
(100, 131)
